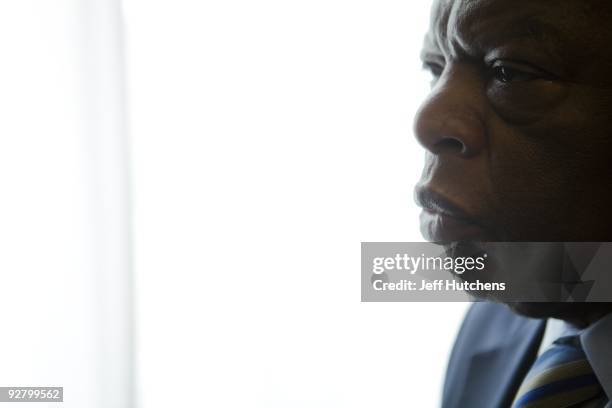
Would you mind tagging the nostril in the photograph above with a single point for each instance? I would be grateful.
(450, 145)
(446, 125)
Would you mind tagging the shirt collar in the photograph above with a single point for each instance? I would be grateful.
(555, 328)
(597, 344)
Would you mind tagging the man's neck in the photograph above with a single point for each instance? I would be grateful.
(588, 314)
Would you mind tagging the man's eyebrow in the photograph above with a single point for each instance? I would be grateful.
(430, 52)
(428, 57)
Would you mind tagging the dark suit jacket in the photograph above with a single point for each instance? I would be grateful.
(492, 354)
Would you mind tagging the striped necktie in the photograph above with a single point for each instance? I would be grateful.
(561, 377)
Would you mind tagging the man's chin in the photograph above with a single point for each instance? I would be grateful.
(540, 310)
(579, 314)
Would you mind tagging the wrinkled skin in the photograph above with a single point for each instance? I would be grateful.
(517, 125)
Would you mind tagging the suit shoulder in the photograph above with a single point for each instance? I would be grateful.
(487, 320)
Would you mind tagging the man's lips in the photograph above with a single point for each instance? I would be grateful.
(444, 221)
(443, 228)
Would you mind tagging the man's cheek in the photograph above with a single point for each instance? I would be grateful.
(525, 103)
(529, 182)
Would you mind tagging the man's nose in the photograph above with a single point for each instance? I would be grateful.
(451, 120)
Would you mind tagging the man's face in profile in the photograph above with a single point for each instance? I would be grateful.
(517, 124)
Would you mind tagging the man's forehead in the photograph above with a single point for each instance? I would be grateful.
(469, 23)
(469, 11)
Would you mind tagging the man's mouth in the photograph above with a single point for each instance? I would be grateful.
(443, 221)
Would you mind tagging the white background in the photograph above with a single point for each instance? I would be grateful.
(65, 303)
(269, 139)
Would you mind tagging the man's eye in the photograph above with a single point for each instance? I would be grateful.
(508, 74)
(434, 68)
